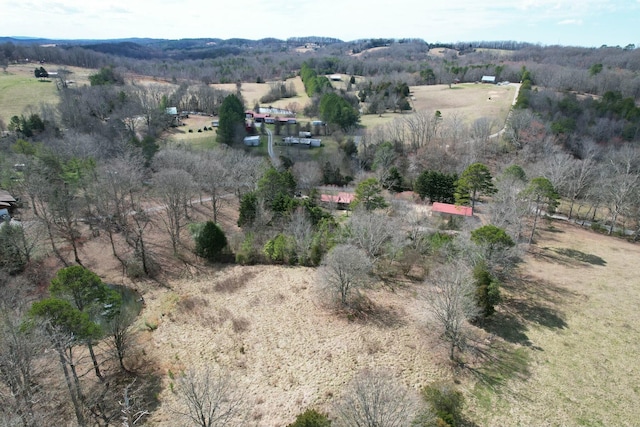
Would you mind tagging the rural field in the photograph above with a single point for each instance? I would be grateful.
(563, 343)
(561, 349)
(21, 92)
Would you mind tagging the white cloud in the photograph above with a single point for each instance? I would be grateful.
(571, 22)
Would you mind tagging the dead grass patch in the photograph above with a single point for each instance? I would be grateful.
(234, 282)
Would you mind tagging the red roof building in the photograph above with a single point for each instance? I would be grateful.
(448, 209)
(341, 198)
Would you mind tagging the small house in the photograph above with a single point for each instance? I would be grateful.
(488, 79)
(335, 77)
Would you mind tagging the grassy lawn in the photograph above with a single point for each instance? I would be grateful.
(20, 92)
(573, 316)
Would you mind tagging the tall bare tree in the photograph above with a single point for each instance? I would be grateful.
(344, 270)
(20, 349)
(174, 188)
(210, 399)
(450, 299)
(621, 182)
(213, 177)
(118, 184)
(376, 399)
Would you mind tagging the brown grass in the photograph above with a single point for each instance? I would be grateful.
(560, 351)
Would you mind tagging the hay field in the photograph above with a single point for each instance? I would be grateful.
(252, 92)
(571, 319)
(467, 100)
(471, 101)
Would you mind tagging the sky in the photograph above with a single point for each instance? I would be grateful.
(590, 23)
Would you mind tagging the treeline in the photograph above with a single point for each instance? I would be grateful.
(555, 67)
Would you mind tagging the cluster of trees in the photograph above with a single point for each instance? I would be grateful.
(81, 311)
(384, 95)
(313, 83)
(279, 90)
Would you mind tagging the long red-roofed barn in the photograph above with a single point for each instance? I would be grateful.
(448, 209)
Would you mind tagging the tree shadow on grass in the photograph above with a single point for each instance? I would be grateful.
(569, 257)
(580, 256)
(528, 301)
(363, 309)
(500, 363)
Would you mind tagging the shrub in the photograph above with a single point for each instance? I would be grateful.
(487, 290)
(280, 249)
(311, 418)
(210, 241)
(247, 254)
(248, 209)
(446, 401)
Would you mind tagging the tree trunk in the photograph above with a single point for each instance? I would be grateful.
(54, 247)
(94, 360)
(535, 221)
(74, 398)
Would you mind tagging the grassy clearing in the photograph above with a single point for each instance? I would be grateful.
(20, 93)
(575, 316)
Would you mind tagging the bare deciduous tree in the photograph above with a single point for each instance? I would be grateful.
(174, 188)
(508, 208)
(20, 348)
(213, 177)
(121, 332)
(370, 231)
(308, 175)
(376, 399)
(621, 182)
(209, 399)
(301, 229)
(131, 413)
(344, 269)
(114, 191)
(450, 298)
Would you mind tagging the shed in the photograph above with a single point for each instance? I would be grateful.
(449, 209)
(335, 77)
(488, 79)
(252, 141)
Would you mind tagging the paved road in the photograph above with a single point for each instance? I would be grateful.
(272, 155)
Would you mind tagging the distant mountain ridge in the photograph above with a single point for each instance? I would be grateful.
(188, 48)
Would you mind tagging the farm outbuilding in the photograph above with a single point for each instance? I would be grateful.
(488, 79)
(447, 209)
(252, 141)
(342, 200)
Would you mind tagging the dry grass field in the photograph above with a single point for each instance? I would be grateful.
(252, 92)
(566, 336)
(468, 101)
